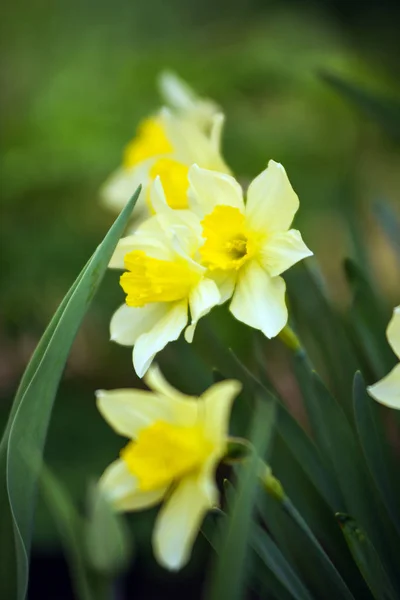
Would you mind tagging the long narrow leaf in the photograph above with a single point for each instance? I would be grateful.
(26, 432)
(367, 559)
(273, 558)
(377, 456)
(233, 546)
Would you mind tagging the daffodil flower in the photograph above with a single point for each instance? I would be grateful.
(165, 145)
(387, 390)
(176, 442)
(162, 282)
(247, 246)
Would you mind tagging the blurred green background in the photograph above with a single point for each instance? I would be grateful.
(76, 78)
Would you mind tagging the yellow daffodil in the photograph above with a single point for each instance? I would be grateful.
(387, 390)
(176, 442)
(162, 282)
(247, 246)
(166, 145)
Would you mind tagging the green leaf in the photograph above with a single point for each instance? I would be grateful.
(26, 430)
(339, 445)
(108, 545)
(367, 559)
(385, 111)
(369, 320)
(317, 555)
(228, 578)
(293, 436)
(274, 560)
(372, 438)
(390, 224)
(322, 332)
(70, 526)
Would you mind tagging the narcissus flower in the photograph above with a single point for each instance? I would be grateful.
(176, 444)
(247, 246)
(387, 390)
(166, 145)
(162, 282)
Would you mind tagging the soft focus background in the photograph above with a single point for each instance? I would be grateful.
(76, 78)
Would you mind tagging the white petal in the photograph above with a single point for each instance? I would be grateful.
(181, 228)
(393, 331)
(128, 411)
(282, 250)
(217, 125)
(387, 390)
(259, 300)
(207, 189)
(120, 186)
(201, 300)
(120, 487)
(217, 409)
(165, 330)
(175, 91)
(226, 281)
(180, 518)
(128, 323)
(156, 381)
(150, 237)
(271, 201)
(191, 145)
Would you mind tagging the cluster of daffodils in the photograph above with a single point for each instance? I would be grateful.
(197, 242)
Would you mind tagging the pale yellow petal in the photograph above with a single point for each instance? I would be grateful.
(120, 186)
(202, 299)
(165, 330)
(387, 390)
(180, 518)
(181, 228)
(226, 281)
(282, 250)
(218, 401)
(128, 323)
(176, 92)
(271, 201)
(259, 300)
(127, 411)
(217, 125)
(191, 144)
(156, 381)
(207, 189)
(180, 96)
(393, 331)
(121, 489)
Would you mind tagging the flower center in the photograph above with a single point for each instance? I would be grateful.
(229, 244)
(164, 453)
(151, 140)
(153, 280)
(174, 179)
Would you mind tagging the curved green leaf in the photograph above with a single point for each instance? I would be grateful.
(233, 545)
(376, 452)
(367, 559)
(26, 430)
